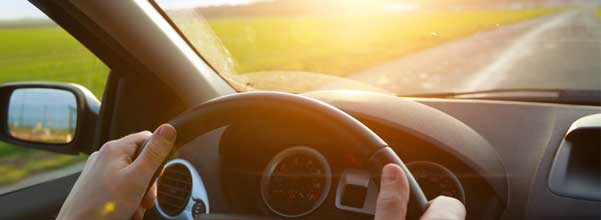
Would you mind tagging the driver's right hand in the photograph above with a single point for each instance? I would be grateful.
(394, 197)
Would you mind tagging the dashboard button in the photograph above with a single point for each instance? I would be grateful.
(198, 208)
(354, 196)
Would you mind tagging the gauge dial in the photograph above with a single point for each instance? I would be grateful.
(295, 182)
(436, 180)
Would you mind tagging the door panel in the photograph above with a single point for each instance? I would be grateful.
(42, 201)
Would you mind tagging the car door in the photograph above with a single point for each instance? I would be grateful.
(141, 60)
(35, 182)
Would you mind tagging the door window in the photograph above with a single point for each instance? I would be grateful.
(33, 48)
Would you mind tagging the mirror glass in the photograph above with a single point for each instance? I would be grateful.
(42, 115)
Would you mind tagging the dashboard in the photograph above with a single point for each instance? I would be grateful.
(451, 149)
(350, 191)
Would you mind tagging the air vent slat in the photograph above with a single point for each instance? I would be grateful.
(176, 180)
(178, 172)
(174, 189)
(177, 196)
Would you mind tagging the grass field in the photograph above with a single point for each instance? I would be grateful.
(332, 45)
(48, 54)
(343, 45)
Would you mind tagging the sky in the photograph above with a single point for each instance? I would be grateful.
(22, 9)
(177, 4)
(18, 9)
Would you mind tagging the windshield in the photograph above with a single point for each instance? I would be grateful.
(395, 46)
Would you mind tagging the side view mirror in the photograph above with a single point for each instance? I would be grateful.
(59, 117)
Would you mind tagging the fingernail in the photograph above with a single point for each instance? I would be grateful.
(166, 131)
(389, 174)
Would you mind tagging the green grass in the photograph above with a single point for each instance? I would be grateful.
(342, 45)
(48, 54)
(7, 149)
(34, 50)
(16, 167)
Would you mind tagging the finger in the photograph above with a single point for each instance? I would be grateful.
(124, 146)
(132, 142)
(156, 150)
(394, 194)
(136, 138)
(444, 207)
(138, 214)
(151, 195)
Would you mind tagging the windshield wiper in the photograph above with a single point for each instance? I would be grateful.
(562, 96)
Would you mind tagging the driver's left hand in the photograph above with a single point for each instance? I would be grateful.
(112, 185)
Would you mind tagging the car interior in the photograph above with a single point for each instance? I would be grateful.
(241, 152)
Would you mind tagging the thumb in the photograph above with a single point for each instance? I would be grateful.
(156, 149)
(443, 207)
(394, 194)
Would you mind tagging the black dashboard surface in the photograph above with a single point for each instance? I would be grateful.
(523, 138)
(526, 136)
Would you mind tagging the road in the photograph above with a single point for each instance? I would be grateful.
(556, 51)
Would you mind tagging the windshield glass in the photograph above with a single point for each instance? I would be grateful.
(395, 46)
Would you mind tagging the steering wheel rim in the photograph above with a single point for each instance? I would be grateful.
(221, 111)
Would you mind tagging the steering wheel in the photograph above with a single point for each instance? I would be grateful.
(238, 107)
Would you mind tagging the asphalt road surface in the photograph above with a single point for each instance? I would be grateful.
(555, 51)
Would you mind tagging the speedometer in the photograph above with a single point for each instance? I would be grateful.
(296, 181)
(436, 180)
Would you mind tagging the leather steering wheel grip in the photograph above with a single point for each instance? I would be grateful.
(237, 107)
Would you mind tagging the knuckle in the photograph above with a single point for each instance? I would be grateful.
(390, 200)
(154, 155)
(93, 155)
(108, 147)
(161, 142)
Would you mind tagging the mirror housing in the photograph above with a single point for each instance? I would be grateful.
(80, 136)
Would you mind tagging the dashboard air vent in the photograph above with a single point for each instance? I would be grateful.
(576, 169)
(174, 188)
